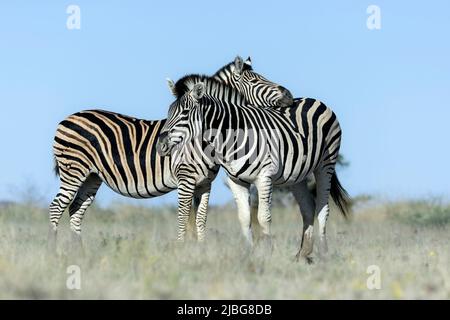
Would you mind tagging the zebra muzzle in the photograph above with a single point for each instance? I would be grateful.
(286, 100)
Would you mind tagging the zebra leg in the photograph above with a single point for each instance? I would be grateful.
(264, 186)
(305, 202)
(323, 184)
(185, 196)
(191, 229)
(63, 198)
(241, 193)
(82, 201)
(254, 211)
(200, 219)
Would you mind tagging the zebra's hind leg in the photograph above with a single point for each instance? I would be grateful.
(84, 198)
(200, 218)
(256, 229)
(63, 198)
(264, 186)
(323, 184)
(305, 202)
(241, 193)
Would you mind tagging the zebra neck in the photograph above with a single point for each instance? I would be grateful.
(219, 91)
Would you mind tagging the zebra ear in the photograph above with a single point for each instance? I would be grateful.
(238, 65)
(171, 85)
(248, 61)
(198, 91)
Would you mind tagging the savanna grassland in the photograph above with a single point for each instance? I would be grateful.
(130, 253)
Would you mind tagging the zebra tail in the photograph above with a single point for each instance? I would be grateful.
(340, 196)
(56, 167)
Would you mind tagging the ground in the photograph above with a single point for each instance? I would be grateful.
(130, 253)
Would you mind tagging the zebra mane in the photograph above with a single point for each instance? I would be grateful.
(227, 68)
(186, 83)
(214, 88)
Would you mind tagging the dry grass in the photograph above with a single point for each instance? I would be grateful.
(130, 254)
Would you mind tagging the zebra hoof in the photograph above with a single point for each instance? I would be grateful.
(300, 257)
(309, 260)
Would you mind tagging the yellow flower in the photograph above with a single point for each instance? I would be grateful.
(397, 290)
(432, 253)
(358, 285)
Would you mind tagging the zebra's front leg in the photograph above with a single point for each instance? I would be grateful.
(241, 193)
(185, 196)
(202, 212)
(264, 185)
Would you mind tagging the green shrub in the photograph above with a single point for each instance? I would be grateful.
(422, 213)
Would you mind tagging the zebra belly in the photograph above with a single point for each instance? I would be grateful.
(138, 191)
(289, 179)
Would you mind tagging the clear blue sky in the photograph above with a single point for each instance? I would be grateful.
(390, 88)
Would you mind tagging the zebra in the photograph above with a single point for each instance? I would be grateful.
(93, 147)
(268, 146)
(268, 94)
(241, 77)
(258, 91)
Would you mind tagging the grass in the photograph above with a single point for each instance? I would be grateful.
(130, 254)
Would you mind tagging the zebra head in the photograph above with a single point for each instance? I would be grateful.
(182, 114)
(257, 90)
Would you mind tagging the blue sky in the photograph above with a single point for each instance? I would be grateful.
(390, 87)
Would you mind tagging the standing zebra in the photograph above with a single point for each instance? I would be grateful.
(94, 147)
(260, 146)
(241, 77)
(267, 93)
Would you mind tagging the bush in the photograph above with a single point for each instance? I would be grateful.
(422, 213)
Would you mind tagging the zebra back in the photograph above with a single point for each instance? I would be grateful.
(121, 150)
